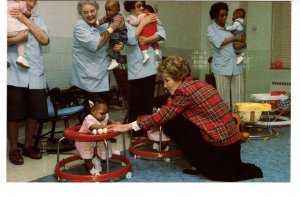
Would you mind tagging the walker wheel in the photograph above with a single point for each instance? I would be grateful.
(60, 179)
(168, 160)
(123, 164)
(66, 167)
(128, 175)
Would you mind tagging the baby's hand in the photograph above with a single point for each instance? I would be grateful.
(149, 19)
(104, 33)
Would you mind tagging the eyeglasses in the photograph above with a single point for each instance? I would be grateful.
(139, 5)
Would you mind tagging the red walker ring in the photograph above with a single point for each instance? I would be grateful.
(91, 178)
(72, 133)
(134, 150)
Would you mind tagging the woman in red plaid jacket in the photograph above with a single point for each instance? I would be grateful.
(200, 124)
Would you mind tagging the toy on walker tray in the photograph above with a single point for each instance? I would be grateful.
(251, 112)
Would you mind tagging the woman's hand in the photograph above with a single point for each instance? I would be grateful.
(239, 45)
(121, 127)
(17, 14)
(240, 37)
(143, 40)
(21, 37)
(148, 19)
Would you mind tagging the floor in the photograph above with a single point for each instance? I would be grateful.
(46, 165)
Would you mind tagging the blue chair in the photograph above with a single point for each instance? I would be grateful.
(62, 105)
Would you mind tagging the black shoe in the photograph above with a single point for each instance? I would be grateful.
(191, 171)
(139, 133)
(15, 157)
(112, 140)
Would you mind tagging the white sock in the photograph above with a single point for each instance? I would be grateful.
(146, 56)
(113, 64)
(157, 55)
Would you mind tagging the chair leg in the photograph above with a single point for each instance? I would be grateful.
(38, 136)
(53, 125)
(66, 123)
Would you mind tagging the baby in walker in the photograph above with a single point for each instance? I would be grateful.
(154, 133)
(96, 123)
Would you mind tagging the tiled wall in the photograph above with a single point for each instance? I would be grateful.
(58, 62)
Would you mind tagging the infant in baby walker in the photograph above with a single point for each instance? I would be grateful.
(157, 134)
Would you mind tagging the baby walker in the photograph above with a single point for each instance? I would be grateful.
(280, 102)
(72, 133)
(156, 139)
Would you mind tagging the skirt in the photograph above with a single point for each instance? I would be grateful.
(218, 163)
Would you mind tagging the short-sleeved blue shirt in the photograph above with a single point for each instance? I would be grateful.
(224, 57)
(136, 68)
(34, 77)
(89, 71)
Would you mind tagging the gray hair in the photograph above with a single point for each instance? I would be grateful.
(81, 3)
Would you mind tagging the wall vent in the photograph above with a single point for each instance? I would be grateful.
(280, 86)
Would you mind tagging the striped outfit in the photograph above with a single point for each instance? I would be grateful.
(228, 75)
(119, 29)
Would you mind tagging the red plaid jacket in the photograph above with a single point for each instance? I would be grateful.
(200, 103)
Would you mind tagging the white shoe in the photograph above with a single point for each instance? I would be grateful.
(239, 59)
(158, 58)
(113, 65)
(155, 146)
(93, 171)
(21, 61)
(146, 58)
(97, 164)
(166, 149)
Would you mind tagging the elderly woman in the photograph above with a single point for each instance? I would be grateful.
(90, 58)
(203, 126)
(228, 74)
(141, 76)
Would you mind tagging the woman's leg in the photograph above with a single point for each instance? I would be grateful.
(237, 89)
(223, 87)
(217, 163)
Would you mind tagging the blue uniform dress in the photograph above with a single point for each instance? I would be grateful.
(33, 78)
(141, 76)
(89, 70)
(229, 75)
(26, 96)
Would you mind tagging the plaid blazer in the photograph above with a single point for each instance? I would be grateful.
(201, 104)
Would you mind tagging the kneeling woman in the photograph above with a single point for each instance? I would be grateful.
(200, 123)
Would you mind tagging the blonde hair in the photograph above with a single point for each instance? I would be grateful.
(82, 3)
(175, 67)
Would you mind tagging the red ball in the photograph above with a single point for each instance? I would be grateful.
(278, 64)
